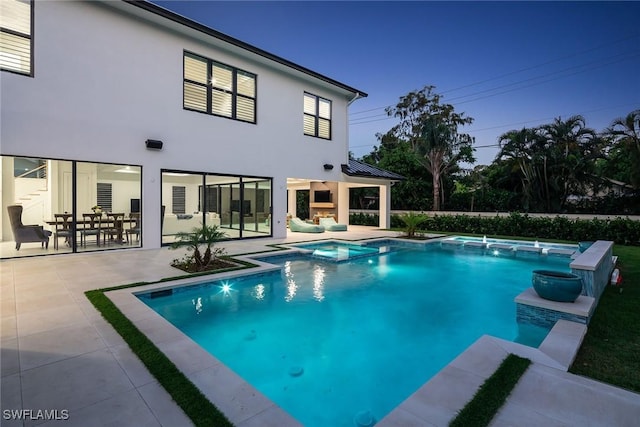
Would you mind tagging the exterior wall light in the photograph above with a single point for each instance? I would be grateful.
(328, 166)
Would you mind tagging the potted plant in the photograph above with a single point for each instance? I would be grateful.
(557, 285)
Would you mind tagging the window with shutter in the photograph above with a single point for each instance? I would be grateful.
(218, 89)
(16, 44)
(317, 116)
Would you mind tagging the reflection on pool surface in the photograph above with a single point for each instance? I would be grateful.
(327, 341)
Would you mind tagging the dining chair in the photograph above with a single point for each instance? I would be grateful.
(114, 228)
(62, 229)
(91, 227)
(134, 227)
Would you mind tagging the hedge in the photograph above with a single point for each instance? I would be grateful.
(620, 230)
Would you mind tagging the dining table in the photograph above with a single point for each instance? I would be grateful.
(106, 220)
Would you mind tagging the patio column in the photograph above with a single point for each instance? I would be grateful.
(385, 206)
(291, 202)
(343, 203)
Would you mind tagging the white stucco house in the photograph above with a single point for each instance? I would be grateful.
(130, 107)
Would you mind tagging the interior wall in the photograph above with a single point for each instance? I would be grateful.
(321, 210)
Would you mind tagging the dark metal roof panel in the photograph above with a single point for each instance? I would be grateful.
(361, 169)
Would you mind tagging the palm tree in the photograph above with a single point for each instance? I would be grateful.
(625, 132)
(207, 235)
(572, 149)
(523, 149)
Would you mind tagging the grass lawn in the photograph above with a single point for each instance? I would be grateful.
(492, 394)
(611, 349)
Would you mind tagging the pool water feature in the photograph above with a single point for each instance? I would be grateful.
(513, 243)
(331, 341)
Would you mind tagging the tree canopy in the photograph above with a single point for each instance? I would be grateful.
(430, 128)
(562, 166)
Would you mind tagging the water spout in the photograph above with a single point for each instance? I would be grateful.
(536, 244)
(484, 239)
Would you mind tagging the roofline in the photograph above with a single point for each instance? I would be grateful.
(182, 20)
(396, 177)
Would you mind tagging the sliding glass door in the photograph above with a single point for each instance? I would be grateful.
(240, 206)
(62, 198)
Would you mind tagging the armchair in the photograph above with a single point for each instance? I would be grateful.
(26, 233)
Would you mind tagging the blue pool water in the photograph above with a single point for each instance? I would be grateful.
(328, 340)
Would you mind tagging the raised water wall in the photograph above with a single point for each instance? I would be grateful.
(594, 267)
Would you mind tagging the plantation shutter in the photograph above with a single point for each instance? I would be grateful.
(178, 199)
(105, 196)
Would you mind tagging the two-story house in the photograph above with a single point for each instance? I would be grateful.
(124, 107)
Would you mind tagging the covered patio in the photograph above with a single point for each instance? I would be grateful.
(331, 198)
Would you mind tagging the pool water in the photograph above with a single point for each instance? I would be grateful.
(327, 341)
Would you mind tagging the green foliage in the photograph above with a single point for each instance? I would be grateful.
(620, 230)
(625, 134)
(364, 219)
(412, 223)
(552, 162)
(431, 129)
(207, 235)
(492, 394)
(396, 156)
(541, 169)
(302, 203)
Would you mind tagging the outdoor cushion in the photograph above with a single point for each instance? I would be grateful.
(330, 224)
(296, 224)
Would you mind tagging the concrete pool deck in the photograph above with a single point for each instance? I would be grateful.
(59, 354)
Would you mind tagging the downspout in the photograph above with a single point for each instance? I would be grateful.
(354, 98)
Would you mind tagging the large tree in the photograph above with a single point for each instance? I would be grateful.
(573, 149)
(554, 162)
(395, 155)
(625, 132)
(521, 150)
(431, 130)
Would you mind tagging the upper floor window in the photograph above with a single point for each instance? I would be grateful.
(317, 116)
(15, 35)
(219, 89)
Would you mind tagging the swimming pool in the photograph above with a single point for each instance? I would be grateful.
(327, 340)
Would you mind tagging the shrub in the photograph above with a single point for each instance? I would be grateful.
(412, 222)
(619, 230)
(206, 236)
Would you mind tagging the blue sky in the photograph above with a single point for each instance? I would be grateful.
(506, 64)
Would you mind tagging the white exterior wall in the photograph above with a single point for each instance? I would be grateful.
(105, 81)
